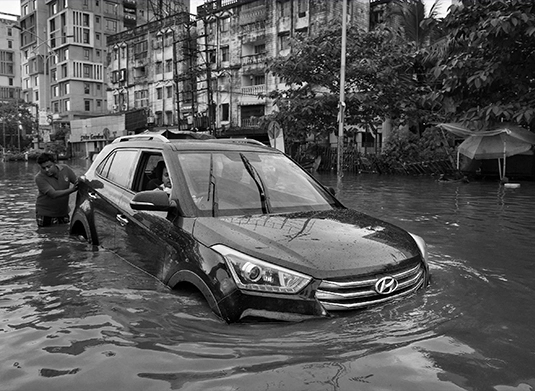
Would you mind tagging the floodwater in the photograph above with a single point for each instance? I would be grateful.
(74, 317)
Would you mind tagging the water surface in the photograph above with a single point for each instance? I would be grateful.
(74, 317)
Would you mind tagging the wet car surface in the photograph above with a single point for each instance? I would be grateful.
(253, 232)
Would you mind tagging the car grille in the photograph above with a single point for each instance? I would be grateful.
(358, 292)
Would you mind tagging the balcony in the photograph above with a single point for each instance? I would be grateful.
(253, 91)
(253, 16)
(132, 4)
(251, 122)
(258, 58)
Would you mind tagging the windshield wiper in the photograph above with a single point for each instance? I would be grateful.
(264, 198)
(212, 189)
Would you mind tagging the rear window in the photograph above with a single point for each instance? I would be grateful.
(119, 167)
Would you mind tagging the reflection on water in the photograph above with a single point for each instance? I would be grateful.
(72, 317)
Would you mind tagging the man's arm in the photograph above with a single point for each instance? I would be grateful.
(46, 188)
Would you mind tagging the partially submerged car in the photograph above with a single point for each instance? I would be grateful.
(256, 234)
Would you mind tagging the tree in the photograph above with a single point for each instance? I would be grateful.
(410, 20)
(13, 115)
(484, 69)
(380, 81)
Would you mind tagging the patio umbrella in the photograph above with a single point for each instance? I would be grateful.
(499, 143)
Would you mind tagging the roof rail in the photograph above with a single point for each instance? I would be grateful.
(251, 141)
(141, 137)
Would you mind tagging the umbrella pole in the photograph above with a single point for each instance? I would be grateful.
(500, 168)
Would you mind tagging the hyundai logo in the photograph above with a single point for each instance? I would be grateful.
(386, 285)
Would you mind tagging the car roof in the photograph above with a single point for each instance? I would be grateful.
(190, 142)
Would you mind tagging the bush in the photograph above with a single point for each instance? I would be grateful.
(406, 147)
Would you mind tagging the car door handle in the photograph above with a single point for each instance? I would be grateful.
(122, 220)
(92, 196)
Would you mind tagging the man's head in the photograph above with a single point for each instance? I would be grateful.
(47, 163)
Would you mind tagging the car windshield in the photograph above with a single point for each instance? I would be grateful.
(232, 183)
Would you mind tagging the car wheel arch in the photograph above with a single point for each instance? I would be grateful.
(192, 278)
(80, 226)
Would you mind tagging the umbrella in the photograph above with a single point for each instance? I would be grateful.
(506, 140)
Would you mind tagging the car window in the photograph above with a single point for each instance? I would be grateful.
(148, 174)
(226, 183)
(119, 167)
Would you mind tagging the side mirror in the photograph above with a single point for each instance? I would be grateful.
(331, 190)
(153, 200)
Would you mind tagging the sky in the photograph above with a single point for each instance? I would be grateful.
(13, 6)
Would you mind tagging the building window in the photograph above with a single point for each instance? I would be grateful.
(87, 105)
(169, 92)
(86, 54)
(169, 66)
(211, 56)
(225, 112)
(85, 36)
(87, 88)
(111, 25)
(225, 24)
(225, 53)
(158, 67)
(284, 7)
(159, 93)
(10, 44)
(284, 42)
(302, 8)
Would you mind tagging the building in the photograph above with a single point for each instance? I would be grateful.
(9, 60)
(9, 82)
(236, 40)
(146, 70)
(64, 50)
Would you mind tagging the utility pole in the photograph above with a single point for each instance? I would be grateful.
(342, 104)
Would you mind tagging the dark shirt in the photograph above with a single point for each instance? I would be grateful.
(48, 202)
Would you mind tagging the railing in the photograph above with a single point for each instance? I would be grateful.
(253, 90)
(253, 59)
(251, 122)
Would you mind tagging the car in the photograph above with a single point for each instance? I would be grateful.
(244, 224)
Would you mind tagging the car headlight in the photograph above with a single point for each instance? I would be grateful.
(253, 274)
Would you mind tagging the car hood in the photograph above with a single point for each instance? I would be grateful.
(321, 244)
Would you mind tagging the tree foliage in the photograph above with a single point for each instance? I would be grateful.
(13, 114)
(380, 81)
(484, 70)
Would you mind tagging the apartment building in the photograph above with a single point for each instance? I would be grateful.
(9, 60)
(64, 50)
(236, 40)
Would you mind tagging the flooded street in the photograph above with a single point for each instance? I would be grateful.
(74, 317)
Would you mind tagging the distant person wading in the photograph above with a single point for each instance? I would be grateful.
(54, 184)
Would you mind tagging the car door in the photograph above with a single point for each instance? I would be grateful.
(114, 175)
(141, 236)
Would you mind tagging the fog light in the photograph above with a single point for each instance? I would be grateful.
(251, 272)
